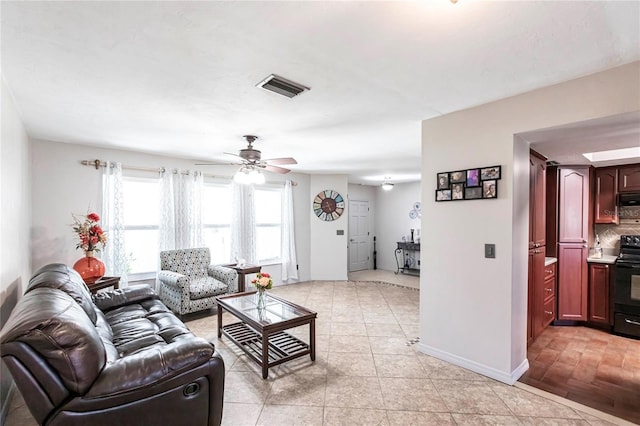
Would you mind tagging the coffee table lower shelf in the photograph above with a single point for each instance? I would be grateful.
(282, 346)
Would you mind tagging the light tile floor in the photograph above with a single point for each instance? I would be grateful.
(367, 372)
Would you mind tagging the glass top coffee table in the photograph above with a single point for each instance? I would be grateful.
(260, 332)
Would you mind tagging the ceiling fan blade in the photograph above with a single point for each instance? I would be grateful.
(218, 163)
(284, 160)
(276, 169)
(233, 155)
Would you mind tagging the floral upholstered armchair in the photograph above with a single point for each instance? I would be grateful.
(188, 283)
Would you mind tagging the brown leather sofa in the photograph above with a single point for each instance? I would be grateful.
(119, 358)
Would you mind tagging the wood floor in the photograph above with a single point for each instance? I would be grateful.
(588, 366)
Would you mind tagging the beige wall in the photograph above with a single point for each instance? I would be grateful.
(328, 251)
(15, 214)
(56, 167)
(15, 217)
(473, 310)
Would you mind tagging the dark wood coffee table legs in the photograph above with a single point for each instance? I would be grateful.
(266, 342)
(265, 355)
(312, 339)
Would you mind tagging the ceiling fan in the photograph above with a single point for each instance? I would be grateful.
(251, 159)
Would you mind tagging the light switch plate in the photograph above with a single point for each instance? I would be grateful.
(490, 251)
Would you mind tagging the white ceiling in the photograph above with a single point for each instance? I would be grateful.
(566, 144)
(179, 78)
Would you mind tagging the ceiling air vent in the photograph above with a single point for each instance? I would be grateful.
(282, 86)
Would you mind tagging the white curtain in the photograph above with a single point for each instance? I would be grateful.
(243, 223)
(288, 255)
(167, 235)
(113, 254)
(181, 210)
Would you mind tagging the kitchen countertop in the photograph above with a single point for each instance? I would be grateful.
(605, 259)
(549, 260)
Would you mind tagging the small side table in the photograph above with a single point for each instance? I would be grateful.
(243, 271)
(104, 282)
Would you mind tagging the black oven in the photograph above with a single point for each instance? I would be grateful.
(628, 286)
(626, 294)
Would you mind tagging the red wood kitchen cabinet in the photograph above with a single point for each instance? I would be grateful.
(599, 291)
(629, 178)
(605, 195)
(573, 289)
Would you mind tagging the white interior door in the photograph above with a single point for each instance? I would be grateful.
(358, 235)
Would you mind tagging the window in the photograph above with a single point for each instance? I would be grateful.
(141, 223)
(216, 219)
(268, 208)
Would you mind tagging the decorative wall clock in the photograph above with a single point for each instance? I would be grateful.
(328, 205)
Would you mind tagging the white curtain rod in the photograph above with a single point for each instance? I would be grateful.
(98, 164)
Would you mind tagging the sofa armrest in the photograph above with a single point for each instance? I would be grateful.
(174, 279)
(151, 367)
(226, 275)
(106, 300)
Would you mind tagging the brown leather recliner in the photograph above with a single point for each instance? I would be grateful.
(120, 358)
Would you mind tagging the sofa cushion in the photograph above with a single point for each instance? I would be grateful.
(106, 300)
(141, 326)
(55, 326)
(200, 288)
(65, 278)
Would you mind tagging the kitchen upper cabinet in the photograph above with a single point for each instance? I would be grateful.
(629, 178)
(573, 205)
(599, 301)
(537, 200)
(605, 195)
(572, 282)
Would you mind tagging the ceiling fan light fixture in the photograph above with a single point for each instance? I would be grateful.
(256, 177)
(248, 175)
(387, 186)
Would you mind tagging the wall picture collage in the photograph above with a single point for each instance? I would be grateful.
(470, 184)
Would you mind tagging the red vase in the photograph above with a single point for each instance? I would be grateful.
(90, 268)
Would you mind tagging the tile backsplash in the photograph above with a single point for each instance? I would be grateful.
(610, 234)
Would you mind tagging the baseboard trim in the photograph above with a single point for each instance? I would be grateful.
(485, 370)
(4, 410)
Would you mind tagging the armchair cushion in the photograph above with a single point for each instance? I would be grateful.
(226, 275)
(206, 287)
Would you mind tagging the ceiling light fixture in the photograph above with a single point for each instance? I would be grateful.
(613, 154)
(387, 186)
(247, 175)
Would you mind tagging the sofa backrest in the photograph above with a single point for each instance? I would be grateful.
(65, 278)
(190, 262)
(53, 324)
